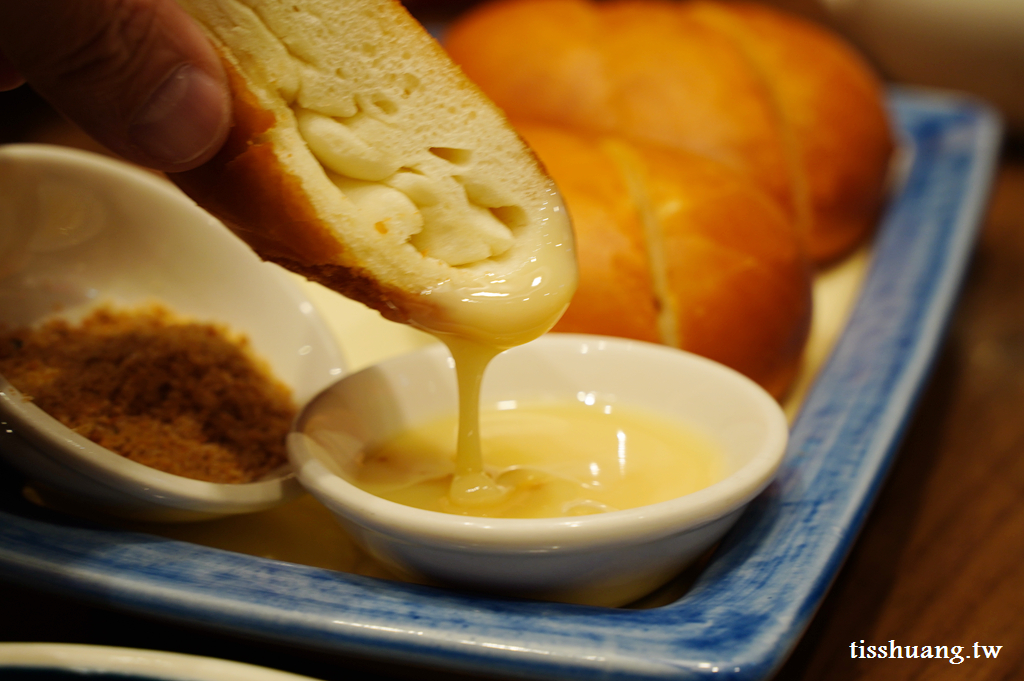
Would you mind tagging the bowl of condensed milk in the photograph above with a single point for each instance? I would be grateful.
(609, 465)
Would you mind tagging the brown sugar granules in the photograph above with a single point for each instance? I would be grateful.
(185, 398)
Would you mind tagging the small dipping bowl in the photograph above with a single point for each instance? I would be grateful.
(607, 559)
(79, 230)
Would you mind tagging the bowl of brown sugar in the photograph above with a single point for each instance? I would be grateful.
(150, 363)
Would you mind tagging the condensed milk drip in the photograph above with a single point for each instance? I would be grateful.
(509, 308)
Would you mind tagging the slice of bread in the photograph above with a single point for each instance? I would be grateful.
(362, 158)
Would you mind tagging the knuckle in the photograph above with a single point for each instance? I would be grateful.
(102, 47)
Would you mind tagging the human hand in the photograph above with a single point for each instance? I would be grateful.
(137, 75)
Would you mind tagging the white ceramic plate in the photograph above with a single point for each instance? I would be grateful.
(54, 661)
(754, 598)
(80, 230)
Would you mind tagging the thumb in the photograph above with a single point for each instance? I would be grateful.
(137, 75)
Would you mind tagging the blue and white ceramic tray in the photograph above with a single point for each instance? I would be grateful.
(750, 603)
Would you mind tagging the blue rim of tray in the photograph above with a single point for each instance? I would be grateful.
(753, 599)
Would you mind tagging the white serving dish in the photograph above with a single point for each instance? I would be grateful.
(78, 229)
(605, 559)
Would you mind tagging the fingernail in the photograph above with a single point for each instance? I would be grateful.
(182, 119)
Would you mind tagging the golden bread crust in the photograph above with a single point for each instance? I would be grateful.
(637, 69)
(735, 266)
(783, 100)
(702, 259)
(615, 296)
(833, 104)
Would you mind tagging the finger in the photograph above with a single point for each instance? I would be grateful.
(137, 75)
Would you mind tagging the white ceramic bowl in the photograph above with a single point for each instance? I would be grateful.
(78, 229)
(605, 559)
(54, 661)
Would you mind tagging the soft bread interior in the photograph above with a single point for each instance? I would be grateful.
(361, 156)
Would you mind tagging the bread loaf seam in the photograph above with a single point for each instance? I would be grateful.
(830, 137)
(634, 175)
